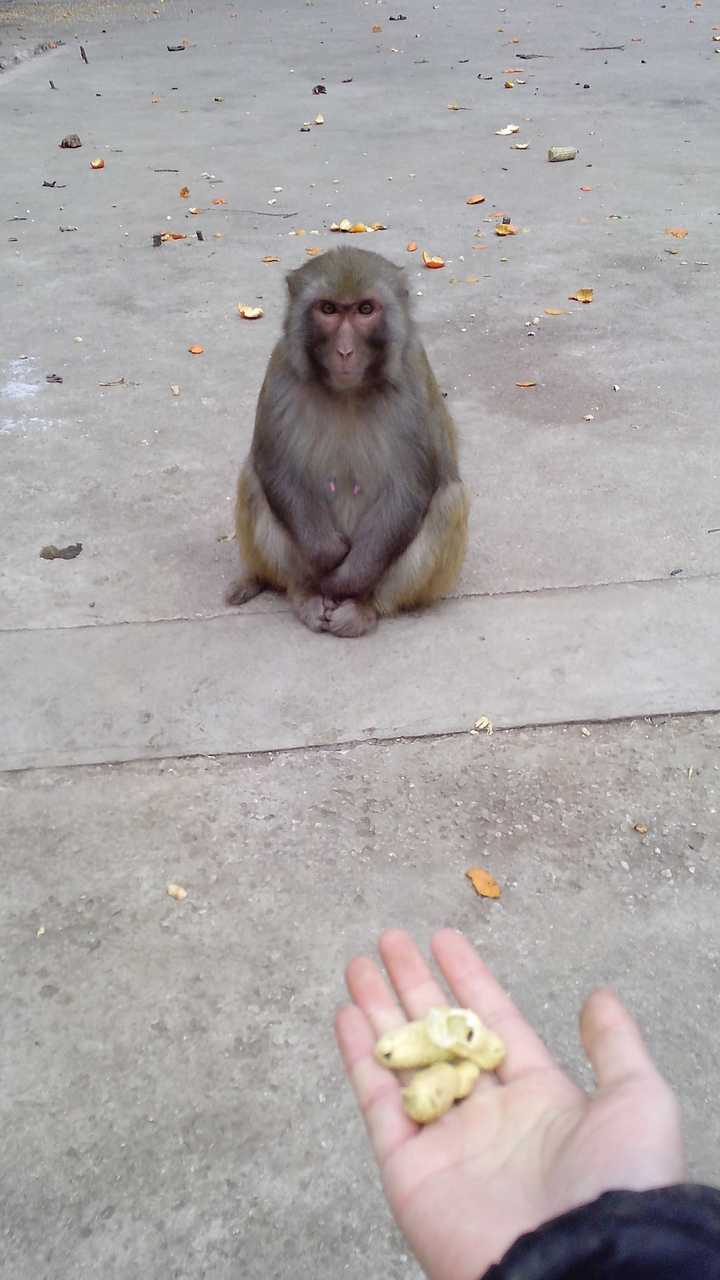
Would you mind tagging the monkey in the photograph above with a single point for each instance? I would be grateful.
(350, 499)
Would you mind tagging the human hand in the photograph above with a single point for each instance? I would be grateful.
(528, 1144)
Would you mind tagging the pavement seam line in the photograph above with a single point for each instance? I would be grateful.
(466, 595)
(345, 743)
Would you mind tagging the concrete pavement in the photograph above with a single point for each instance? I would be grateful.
(172, 1104)
(171, 1100)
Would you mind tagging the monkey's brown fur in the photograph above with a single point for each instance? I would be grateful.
(350, 499)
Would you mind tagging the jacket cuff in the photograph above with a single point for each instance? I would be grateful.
(662, 1234)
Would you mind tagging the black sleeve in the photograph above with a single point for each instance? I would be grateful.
(669, 1234)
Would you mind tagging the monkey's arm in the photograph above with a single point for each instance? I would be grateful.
(280, 461)
(424, 459)
(306, 516)
(381, 535)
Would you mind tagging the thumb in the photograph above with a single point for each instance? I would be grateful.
(613, 1041)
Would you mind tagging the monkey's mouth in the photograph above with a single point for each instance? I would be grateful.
(344, 377)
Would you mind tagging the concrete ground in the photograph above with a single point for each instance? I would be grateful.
(170, 1097)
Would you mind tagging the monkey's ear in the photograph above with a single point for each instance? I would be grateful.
(293, 282)
(400, 283)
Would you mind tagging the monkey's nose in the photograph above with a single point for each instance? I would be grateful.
(345, 354)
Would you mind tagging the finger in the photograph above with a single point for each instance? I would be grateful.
(475, 987)
(613, 1041)
(376, 1089)
(412, 980)
(371, 993)
(418, 990)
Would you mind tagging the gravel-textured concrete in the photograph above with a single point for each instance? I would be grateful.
(170, 1099)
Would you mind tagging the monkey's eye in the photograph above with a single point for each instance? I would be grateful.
(328, 308)
(366, 308)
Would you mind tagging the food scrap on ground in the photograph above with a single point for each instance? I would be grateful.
(485, 885)
(353, 228)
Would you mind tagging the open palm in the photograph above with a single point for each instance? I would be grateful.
(528, 1144)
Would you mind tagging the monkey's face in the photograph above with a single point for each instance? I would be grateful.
(347, 341)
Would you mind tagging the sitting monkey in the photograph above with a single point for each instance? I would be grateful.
(350, 499)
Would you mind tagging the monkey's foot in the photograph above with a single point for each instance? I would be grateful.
(351, 618)
(313, 611)
(244, 590)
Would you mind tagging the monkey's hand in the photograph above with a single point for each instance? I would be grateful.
(356, 575)
(383, 533)
(325, 551)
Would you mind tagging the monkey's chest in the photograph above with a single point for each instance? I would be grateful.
(351, 468)
(350, 494)
(350, 461)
